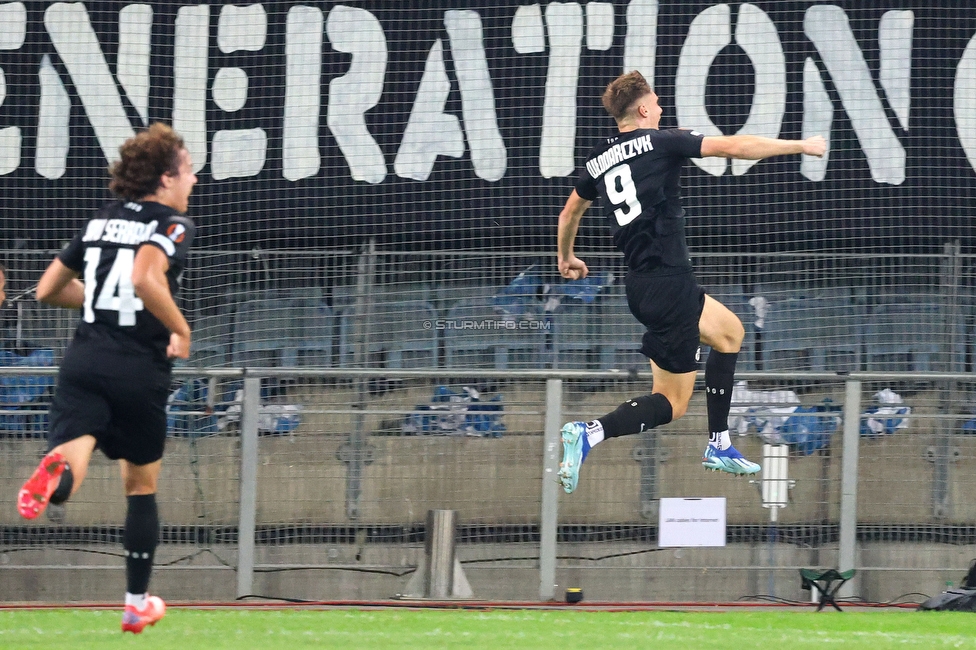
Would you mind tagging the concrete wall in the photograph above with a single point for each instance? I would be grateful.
(737, 571)
(494, 482)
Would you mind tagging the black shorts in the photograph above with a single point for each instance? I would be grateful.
(669, 306)
(118, 398)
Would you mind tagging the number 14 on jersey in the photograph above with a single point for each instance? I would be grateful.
(117, 293)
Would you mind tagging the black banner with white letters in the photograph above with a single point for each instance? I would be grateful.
(453, 125)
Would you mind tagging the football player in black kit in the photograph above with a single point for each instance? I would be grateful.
(122, 271)
(636, 175)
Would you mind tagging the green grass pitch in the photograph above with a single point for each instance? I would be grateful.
(240, 629)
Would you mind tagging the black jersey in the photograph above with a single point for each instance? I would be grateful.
(103, 253)
(637, 174)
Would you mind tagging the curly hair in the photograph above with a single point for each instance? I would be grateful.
(143, 158)
(622, 92)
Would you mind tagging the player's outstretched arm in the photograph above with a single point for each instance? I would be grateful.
(152, 287)
(60, 286)
(756, 147)
(570, 266)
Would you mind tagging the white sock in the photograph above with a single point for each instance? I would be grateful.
(137, 600)
(720, 441)
(594, 433)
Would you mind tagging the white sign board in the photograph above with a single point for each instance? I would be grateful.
(691, 522)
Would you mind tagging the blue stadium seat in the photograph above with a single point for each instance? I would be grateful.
(620, 335)
(212, 338)
(474, 348)
(344, 295)
(573, 336)
(44, 327)
(400, 332)
(489, 347)
(265, 333)
(346, 315)
(909, 333)
(20, 395)
(822, 334)
(314, 326)
(967, 301)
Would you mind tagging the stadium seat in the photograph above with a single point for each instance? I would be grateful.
(968, 306)
(314, 324)
(909, 333)
(44, 327)
(474, 348)
(399, 333)
(344, 296)
(573, 341)
(410, 338)
(212, 338)
(815, 334)
(265, 333)
(619, 334)
(489, 346)
(21, 396)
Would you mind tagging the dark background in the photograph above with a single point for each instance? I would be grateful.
(770, 209)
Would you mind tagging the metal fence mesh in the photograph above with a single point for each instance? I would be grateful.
(347, 469)
(417, 232)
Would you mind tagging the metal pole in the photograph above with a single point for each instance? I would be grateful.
(648, 452)
(941, 492)
(19, 332)
(356, 446)
(249, 485)
(548, 525)
(771, 540)
(847, 556)
(439, 547)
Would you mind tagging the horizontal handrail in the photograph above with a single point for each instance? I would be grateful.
(541, 374)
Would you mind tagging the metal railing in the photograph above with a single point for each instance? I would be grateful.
(546, 527)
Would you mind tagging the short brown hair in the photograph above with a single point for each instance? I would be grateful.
(143, 158)
(622, 92)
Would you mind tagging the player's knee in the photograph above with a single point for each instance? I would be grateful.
(737, 334)
(137, 485)
(134, 489)
(730, 338)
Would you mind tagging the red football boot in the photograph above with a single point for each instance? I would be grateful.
(135, 620)
(36, 493)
